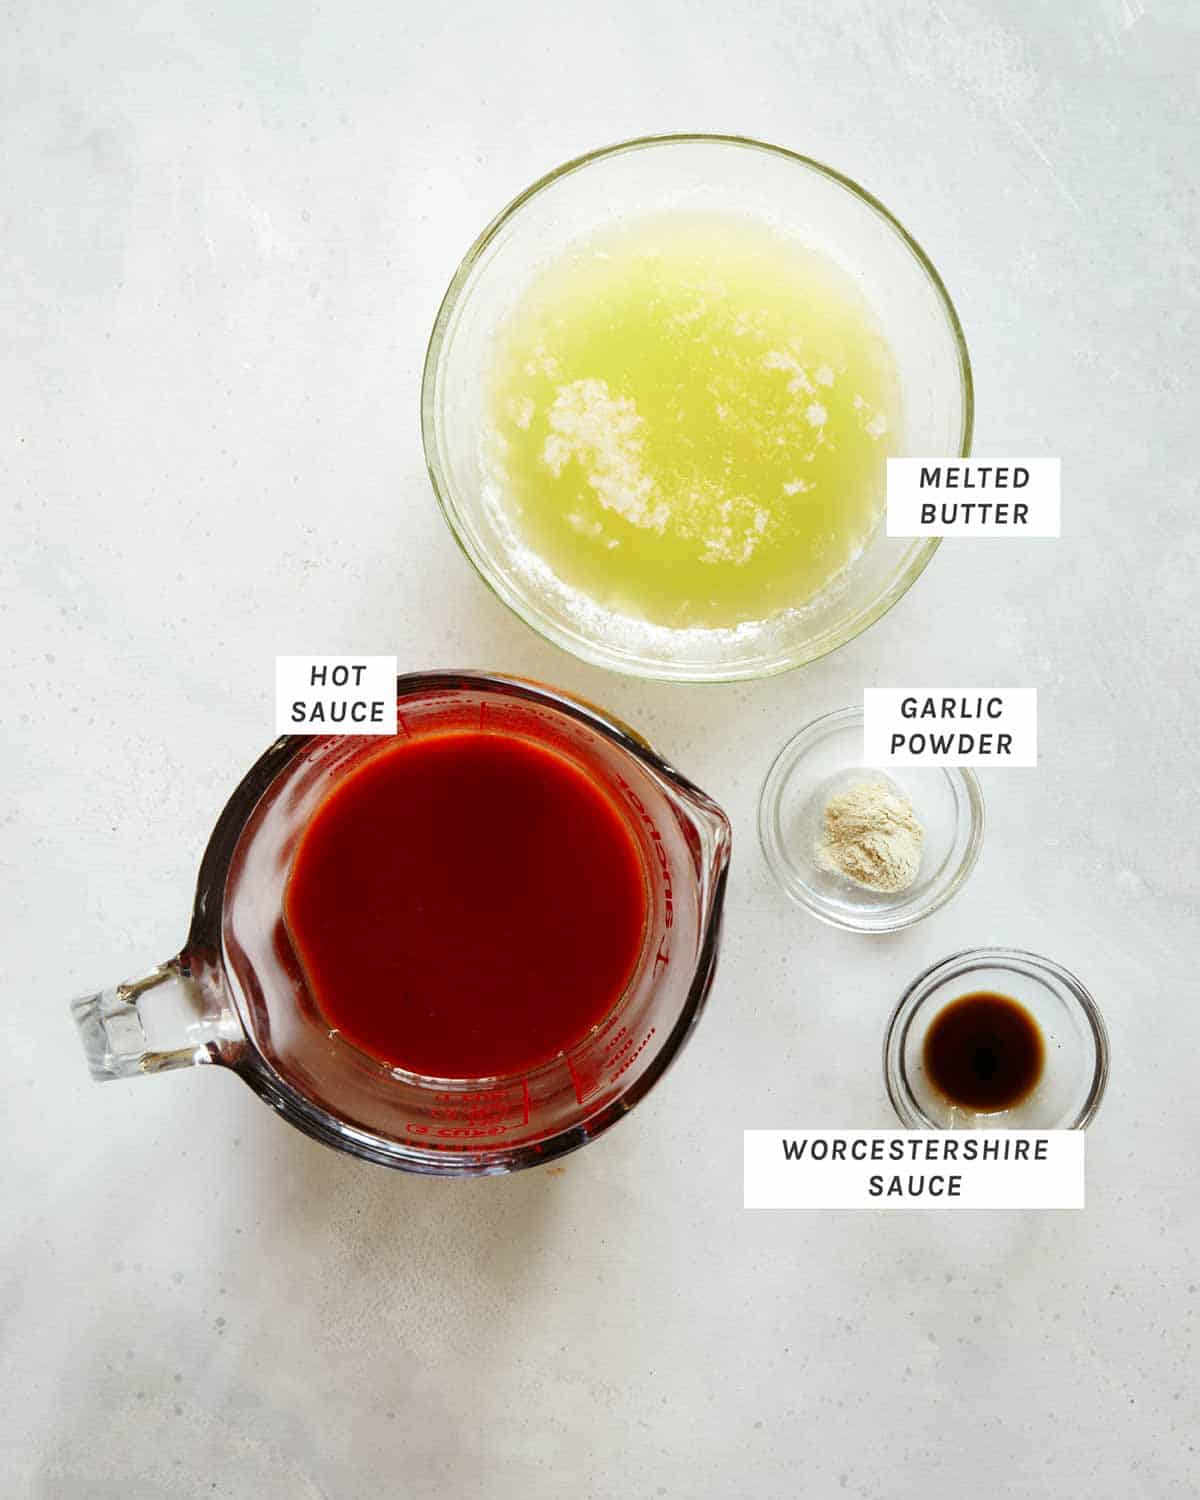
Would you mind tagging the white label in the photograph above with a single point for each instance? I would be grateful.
(974, 496)
(913, 1169)
(950, 726)
(335, 695)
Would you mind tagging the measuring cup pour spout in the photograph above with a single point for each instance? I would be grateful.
(709, 840)
(714, 841)
(238, 996)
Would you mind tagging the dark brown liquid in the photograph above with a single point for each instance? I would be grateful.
(984, 1052)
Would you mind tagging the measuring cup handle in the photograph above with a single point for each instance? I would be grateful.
(164, 1020)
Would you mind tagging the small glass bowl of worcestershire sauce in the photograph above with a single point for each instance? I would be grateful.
(996, 1038)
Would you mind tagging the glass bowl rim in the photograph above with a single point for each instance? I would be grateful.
(772, 843)
(967, 961)
(574, 641)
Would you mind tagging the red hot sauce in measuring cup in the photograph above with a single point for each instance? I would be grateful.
(467, 905)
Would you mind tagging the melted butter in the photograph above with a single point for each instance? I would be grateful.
(690, 416)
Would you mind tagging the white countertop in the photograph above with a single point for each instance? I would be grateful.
(228, 229)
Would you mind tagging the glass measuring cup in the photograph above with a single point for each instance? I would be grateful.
(237, 996)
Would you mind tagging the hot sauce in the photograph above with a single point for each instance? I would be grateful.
(466, 905)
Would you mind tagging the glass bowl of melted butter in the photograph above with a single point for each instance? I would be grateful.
(659, 399)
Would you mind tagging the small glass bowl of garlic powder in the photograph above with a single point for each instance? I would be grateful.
(864, 848)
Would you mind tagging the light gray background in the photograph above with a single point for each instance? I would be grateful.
(226, 230)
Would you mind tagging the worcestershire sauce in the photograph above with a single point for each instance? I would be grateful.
(984, 1052)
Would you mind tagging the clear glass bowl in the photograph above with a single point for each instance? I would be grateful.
(825, 757)
(1075, 1071)
(821, 208)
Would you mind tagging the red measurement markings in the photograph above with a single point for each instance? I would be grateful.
(459, 1138)
(622, 1051)
(619, 1044)
(660, 850)
(481, 1114)
(632, 1057)
(576, 1083)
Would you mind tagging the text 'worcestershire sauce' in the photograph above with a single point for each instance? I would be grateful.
(984, 1052)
